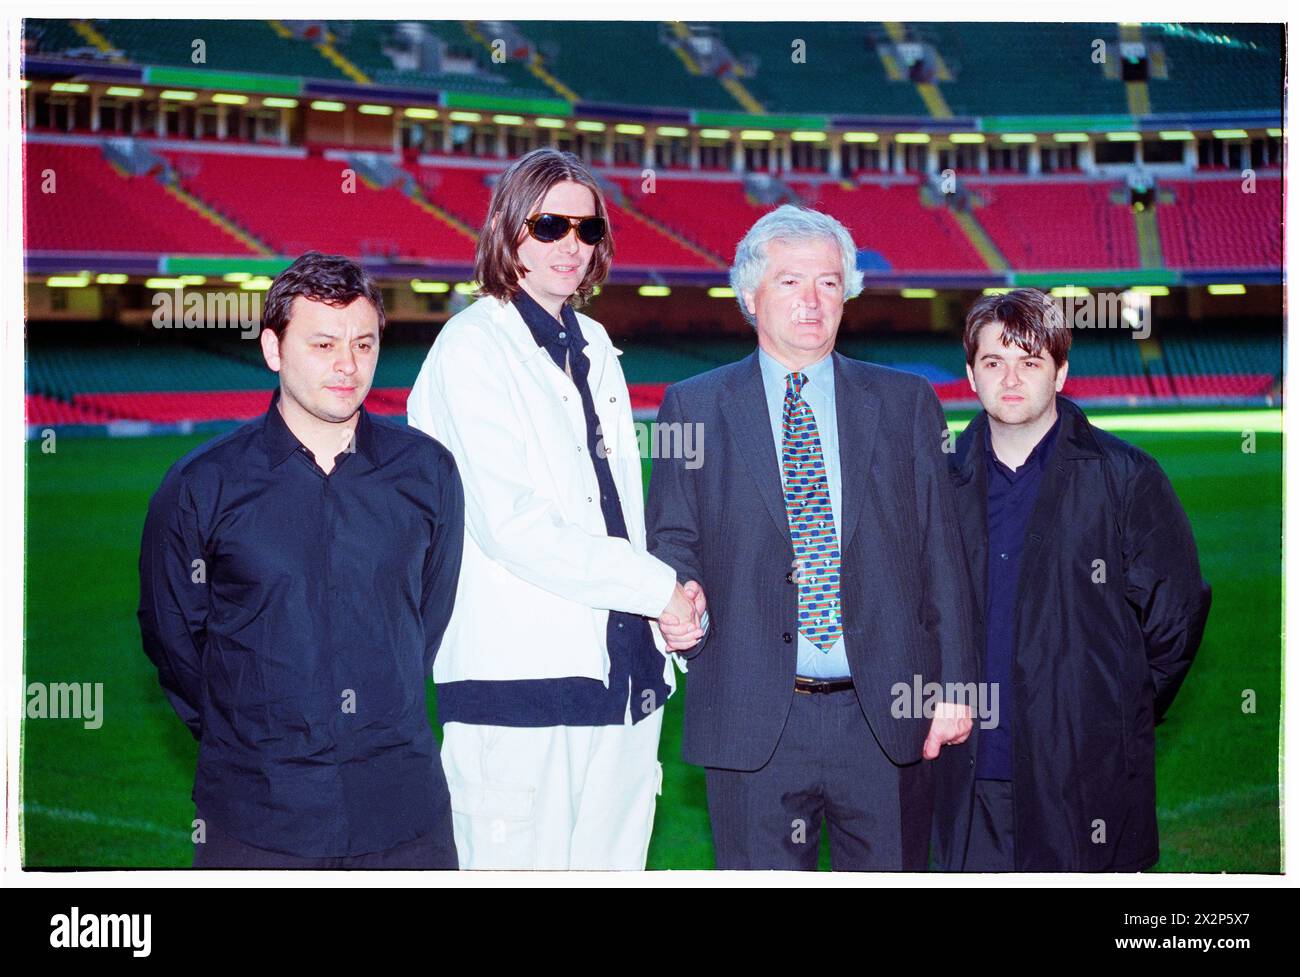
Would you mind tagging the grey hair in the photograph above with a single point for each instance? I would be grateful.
(789, 223)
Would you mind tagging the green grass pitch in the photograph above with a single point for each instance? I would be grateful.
(118, 796)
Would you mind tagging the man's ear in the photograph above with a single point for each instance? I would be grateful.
(1060, 375)
(970, 376)
(749, 302)
(270, 348)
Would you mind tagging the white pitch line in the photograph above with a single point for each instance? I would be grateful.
(100, 820)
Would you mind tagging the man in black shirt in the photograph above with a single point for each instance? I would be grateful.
(1086, 572)
(296, 577)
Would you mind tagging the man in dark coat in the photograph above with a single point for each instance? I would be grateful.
(1085, 569)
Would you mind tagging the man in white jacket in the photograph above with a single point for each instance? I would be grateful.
(551, 679)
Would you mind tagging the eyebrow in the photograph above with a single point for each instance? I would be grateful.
(329, 335)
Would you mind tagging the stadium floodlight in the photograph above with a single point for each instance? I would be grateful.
(862, 137)
(722, 292)
(163, 283)
(429, 288)
(1176, 135)
(672, 132)
(234, 277)
(417, 113)
(917, 293)
(1069, 292)
(110, 279)
(1018, 137)
(715, 133)
(912, 137)
(375, 109)
(177, 95)
(1123, 137)
(466, 288)
(630, 129)
(259, 284)
(1274, 133)
(998, 291)
(276, 102)
(68, 281)
(72, 87)
(1226, 289)
(589, 125)
(966, 137)
(325, 105)
(543, 122)
(1070, 136)
(508, 120)
(1229, 133)
(654, 291)
(192, 279)
(808, 136)
(1159, 291)
(124, 91)
(227, 98)
(756, 135)
(465, 116)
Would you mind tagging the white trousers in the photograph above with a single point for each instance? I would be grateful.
(555, 797)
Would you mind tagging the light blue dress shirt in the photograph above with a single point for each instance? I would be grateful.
(819, 393)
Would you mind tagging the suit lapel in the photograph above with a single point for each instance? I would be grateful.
(751, 426)
(857, 408)
(972, 507)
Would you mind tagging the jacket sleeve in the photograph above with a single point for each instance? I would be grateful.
(462, 399)
(673, 518)
(173, 612)
(949, 603)
(1162, 580)
(442, 562)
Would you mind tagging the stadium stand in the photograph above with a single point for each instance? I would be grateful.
(228, 45)
(833, 53)
(96, 208)
(892, 221)
(1214, 224)
(623, 62)
(1217, 66)
(1050, 225)
(1038, 68)
(295, 204)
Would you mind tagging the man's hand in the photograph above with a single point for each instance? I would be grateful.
(951, 725)
(680, 621)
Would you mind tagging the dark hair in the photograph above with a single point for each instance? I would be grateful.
(329, 278)
(518, 191)
(1029, 319)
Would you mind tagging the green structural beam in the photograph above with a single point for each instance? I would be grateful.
(506, 103)
(234, 81)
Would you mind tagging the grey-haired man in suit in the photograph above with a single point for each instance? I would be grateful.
(823, 528)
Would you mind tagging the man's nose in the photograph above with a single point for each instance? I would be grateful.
(346, 363)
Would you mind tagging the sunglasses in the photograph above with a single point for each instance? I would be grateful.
(549, 228)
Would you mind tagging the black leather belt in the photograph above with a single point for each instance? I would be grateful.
(813, 686)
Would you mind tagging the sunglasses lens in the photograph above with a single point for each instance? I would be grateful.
(550, 227)
(591, 230)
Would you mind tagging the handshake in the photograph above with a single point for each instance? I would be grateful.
(682, 621)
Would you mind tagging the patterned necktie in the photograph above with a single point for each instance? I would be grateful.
(812, 523)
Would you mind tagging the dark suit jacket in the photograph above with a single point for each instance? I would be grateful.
(905, 591)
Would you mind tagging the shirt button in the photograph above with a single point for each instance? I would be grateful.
(562, 335)
(1003, 555)
(589, 498)
(786, 637)
(613, 399)
(566, 397)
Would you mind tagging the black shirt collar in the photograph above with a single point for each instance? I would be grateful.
(1038, 457)
(546, 329)
(281, 442)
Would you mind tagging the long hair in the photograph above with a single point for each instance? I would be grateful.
(517, 195)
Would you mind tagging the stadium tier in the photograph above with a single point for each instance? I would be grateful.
(1049, 225)
(1215, 224)
(318, 203)
(76, 201)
